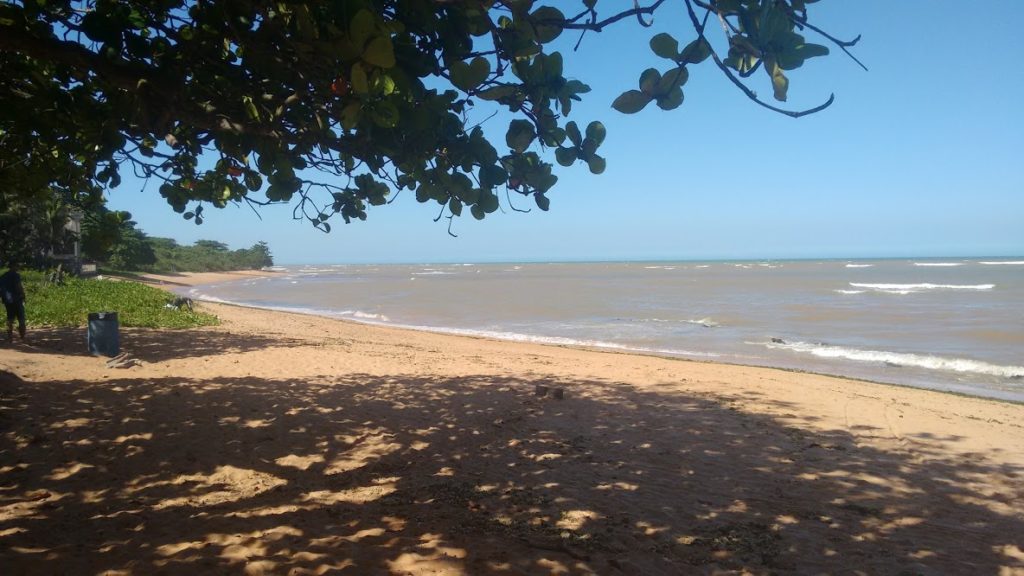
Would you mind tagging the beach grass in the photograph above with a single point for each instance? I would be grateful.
(137, 305)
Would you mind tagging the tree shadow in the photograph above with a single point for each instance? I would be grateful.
(365, 474)
(155, 344)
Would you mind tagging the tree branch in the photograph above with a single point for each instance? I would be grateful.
(14, 39)
(842, 44)
(743, 87)
(598, 26)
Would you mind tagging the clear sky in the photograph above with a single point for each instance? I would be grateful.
(921, 156)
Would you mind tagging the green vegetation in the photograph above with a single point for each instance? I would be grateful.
(130, 249)
(136, 304)
(336, 106)
(204, 256)
(112, 239)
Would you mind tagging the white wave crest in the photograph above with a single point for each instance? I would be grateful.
(705, 322)
(939, 264)
(850, 291)
(913, 288)
(1003, 263)
(660, 267)
(860, 265)
(962, 365)
(364, 315)
(557, 341)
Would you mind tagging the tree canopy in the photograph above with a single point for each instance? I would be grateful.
(337, 105)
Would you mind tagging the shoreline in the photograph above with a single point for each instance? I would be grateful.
(231, 448)
(454, 333)
(195, 280)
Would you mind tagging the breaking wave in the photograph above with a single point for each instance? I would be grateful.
(912, 288)
(963, 365)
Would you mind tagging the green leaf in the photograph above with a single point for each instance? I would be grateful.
(812, 50)
(573, 132)
(696, 51)
(631, 102)
(385, 114)
(491, 176)
(543, 202)
(672, 79)
(253, 181)
(780, 84)
(469, 76)
(455, 206)
(546, 22)
(665, 46)
(477, 212)
(350, 115)
(794, 57)
(488, 202)
(596, 164)
(361, 28)
(520, 134)
(250, 108)
(565, 156)
(380, 52)
(360, 84)
(649, 81)
(596, 132)
(496, 93)
(672, 100)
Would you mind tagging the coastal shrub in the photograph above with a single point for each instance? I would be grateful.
(70, 303)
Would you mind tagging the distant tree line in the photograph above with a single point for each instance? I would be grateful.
(204, 256)
(39, 234)
(114, 240)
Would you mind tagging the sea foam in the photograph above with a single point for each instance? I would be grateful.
(963, 365)
(912, 288)
(1004, 263)
(860, 265)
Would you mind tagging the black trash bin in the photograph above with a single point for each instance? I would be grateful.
(103, 336)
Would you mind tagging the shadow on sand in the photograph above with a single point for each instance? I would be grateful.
(363, 474)
(153, 345)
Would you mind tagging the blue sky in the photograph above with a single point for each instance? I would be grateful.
(920, 156)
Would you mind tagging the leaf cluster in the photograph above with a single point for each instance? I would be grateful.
(333, 106)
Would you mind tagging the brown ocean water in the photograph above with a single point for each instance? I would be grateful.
(950, 324)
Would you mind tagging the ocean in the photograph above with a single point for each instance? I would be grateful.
(953, 324)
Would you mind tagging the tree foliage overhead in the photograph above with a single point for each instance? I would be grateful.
(337, 105)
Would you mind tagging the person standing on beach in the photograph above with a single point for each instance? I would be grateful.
(12, 292)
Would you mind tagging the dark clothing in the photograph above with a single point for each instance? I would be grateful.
(11, 289)
(12, 292)
(16, 311)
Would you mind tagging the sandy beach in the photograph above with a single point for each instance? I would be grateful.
(286, 444)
